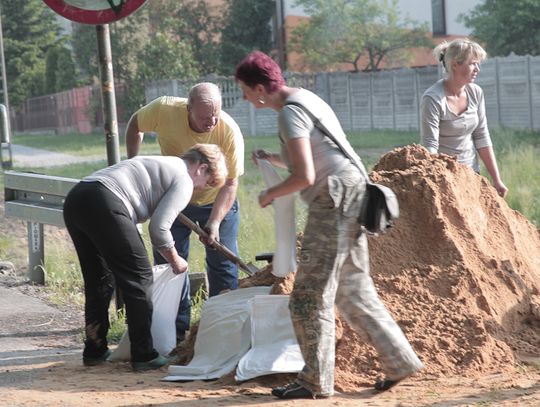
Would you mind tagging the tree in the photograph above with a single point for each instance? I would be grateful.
(506, 26)
(128, 37)
(60, 71)
(193, 22)
(84, 44)
(175, 61)
(239, 38)
(30, 30)
(362, 33)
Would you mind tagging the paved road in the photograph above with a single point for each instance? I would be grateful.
(34, 157)
(32, 332)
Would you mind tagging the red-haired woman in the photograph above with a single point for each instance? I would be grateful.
(334, 262)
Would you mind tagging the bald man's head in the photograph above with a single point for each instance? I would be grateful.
(204, 107)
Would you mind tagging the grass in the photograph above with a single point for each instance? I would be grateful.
(516, 151)
(80, 144)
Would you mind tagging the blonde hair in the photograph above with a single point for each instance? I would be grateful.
(459, 50)
(211, 155)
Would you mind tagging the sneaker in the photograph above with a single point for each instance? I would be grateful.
(94, 361)
(292, 391)
(386, 383)
(153, 364)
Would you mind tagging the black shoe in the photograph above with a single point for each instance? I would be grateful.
(292, 391)
(156, 363)
(385, 384)
(94, 361)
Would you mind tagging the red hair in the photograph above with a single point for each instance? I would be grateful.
(259, 69)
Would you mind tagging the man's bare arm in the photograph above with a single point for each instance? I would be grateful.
(134, 137)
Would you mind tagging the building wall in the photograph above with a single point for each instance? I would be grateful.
(419, 10)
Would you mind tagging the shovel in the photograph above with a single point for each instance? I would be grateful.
(249, 268)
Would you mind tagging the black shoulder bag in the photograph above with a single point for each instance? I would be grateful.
(380, 208)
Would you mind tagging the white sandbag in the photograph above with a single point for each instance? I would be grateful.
(274, 348)
(284, 260)
(166, 292)
(223, 337)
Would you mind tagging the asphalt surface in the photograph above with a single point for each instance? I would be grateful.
(34, 157)
(30, 330)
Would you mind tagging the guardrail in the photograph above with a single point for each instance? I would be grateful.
(37, 199)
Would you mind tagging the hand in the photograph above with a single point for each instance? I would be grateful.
(261, 155)
(265, 199)
(179, 266)
(212, 229)
(502, 190)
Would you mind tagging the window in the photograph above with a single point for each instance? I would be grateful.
(438, 17)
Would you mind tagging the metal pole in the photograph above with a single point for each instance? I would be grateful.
(5, 139)
(280, 34)
(109, 109)
(107, 94)
(3, 62)
(36, 252)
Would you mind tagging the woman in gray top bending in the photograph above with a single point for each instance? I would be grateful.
(334, 261)
(453, 114)
(101, 214)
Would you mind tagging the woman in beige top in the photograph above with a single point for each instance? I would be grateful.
(453, 117)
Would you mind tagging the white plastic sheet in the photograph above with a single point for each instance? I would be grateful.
(274, 348)
(284, 261)
(166, 292)
(223, 337)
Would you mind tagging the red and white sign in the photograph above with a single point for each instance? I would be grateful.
(94, 11)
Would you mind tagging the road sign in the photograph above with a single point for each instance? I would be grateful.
(94, 11)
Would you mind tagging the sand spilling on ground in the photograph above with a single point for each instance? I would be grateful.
(460, 273)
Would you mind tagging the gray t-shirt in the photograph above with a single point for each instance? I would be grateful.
(461, 135)
(295, 123)
(154, 187)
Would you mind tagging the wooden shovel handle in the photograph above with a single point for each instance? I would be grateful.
(216, 245)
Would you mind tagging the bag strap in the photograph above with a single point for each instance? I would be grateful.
(351, 155)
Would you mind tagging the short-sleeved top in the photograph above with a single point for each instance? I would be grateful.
(167, 116)
(294, 122)
(444, 131)
(151, 187)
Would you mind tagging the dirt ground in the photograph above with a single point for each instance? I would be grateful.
(459, 273)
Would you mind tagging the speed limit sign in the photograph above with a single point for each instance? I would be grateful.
(94, 11)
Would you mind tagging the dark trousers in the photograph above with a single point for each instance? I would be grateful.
(110, 252)
(222, 273)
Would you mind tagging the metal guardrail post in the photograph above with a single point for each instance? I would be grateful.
(36, 253)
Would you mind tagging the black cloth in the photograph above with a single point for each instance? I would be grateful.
(110, 250)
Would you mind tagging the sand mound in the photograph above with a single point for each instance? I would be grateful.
(460, 273)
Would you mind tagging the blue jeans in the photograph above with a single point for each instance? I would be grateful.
(222, 273)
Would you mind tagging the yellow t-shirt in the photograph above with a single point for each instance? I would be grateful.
(167, 116)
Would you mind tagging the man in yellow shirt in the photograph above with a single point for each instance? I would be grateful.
(179, 124)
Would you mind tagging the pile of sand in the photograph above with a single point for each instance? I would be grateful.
(460, 273)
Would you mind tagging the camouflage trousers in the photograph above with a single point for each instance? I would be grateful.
(334, 268)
